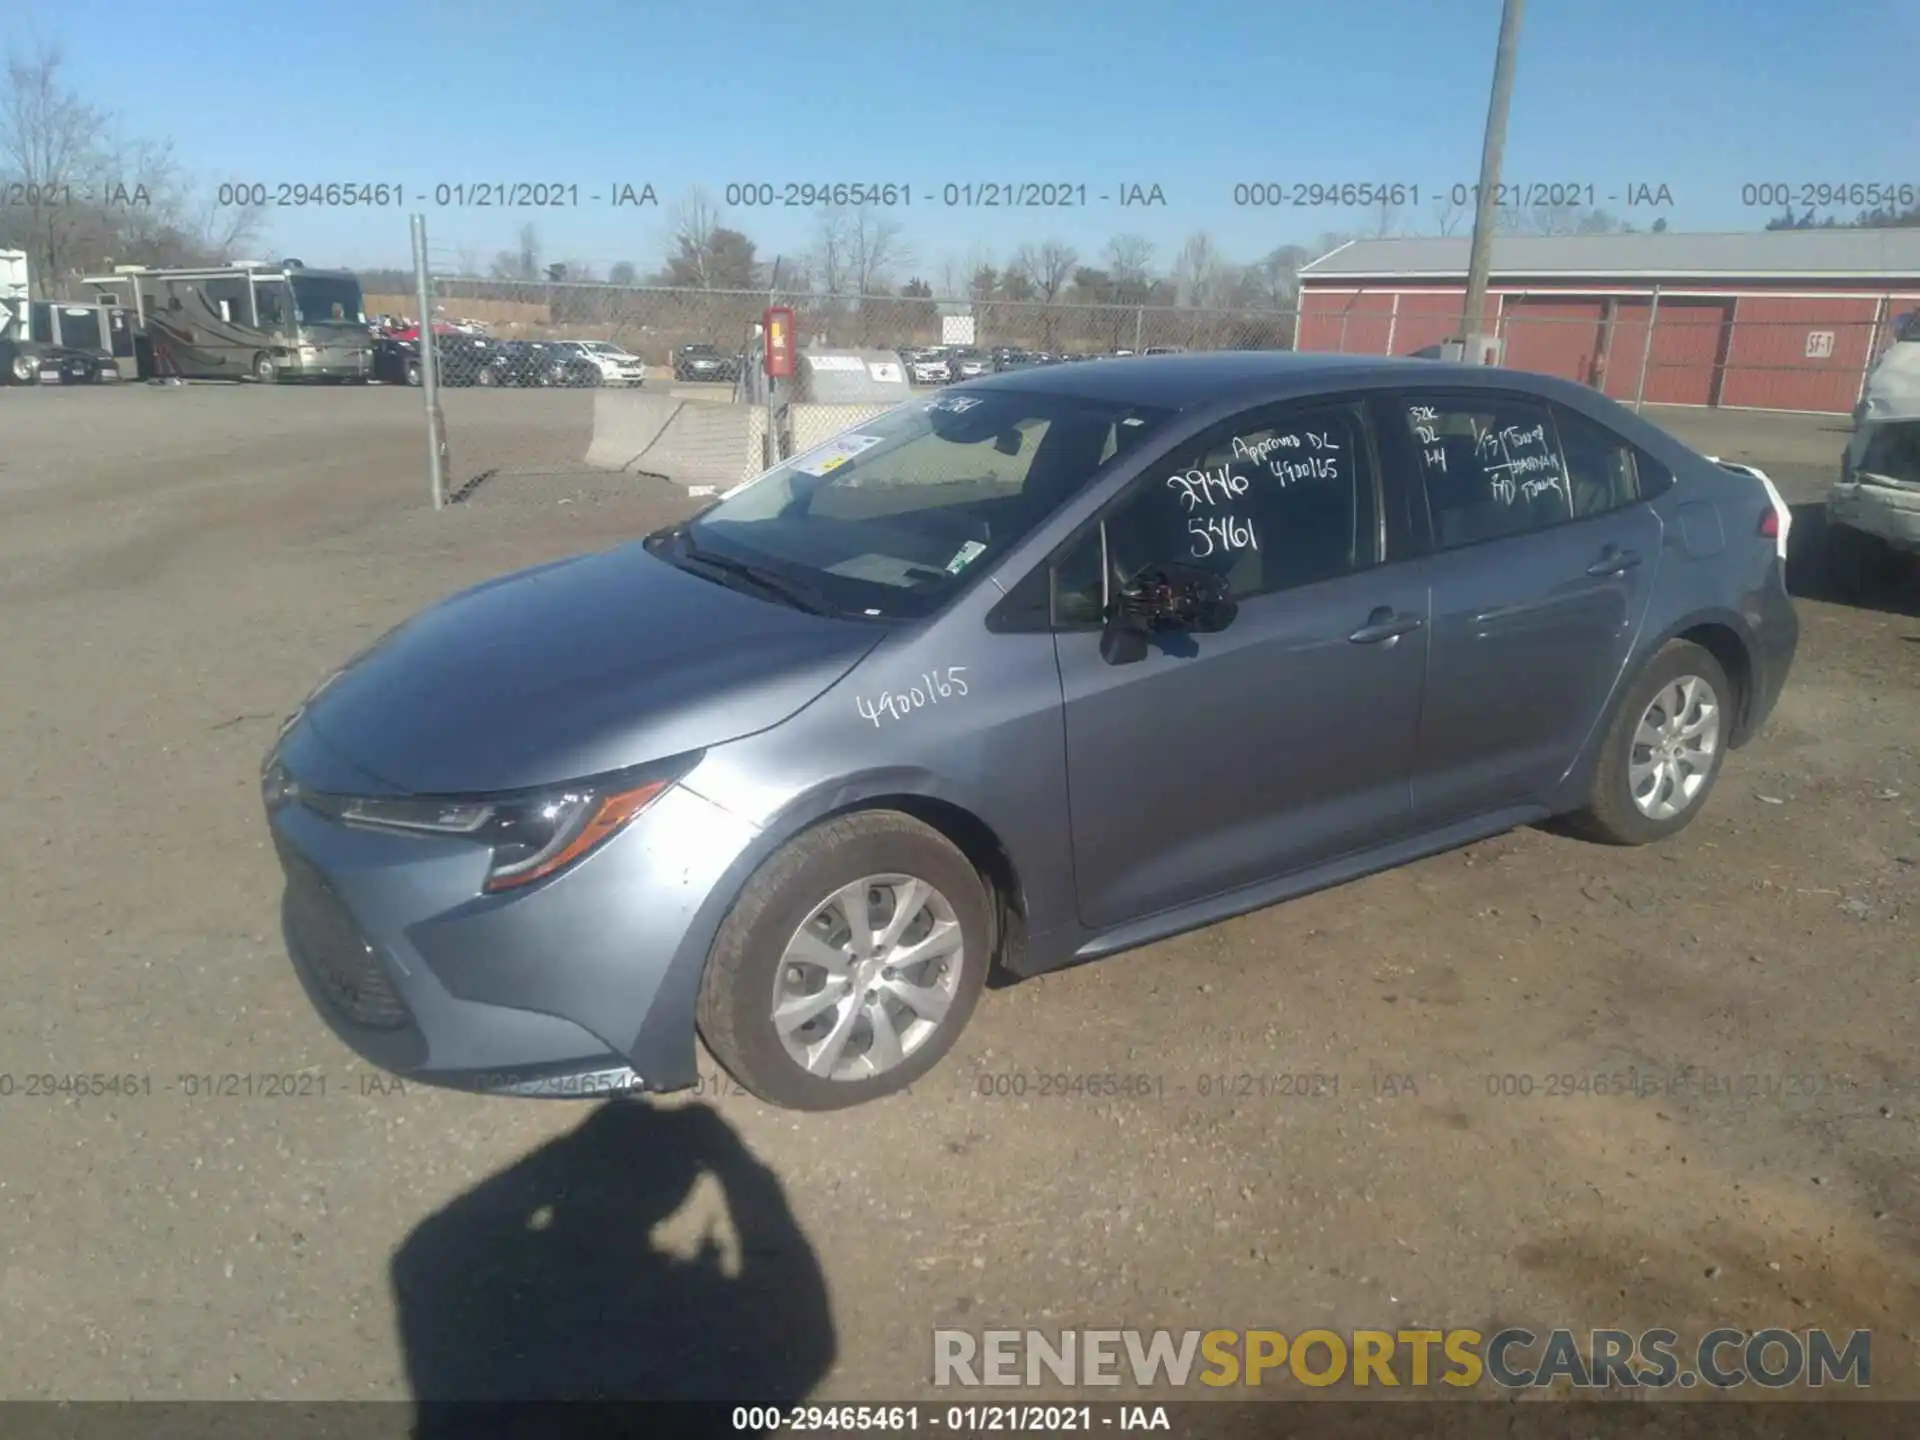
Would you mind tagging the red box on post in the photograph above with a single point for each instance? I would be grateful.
(777, 326)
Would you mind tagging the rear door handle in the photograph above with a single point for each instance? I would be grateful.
(1613, 562)
(1384, 624)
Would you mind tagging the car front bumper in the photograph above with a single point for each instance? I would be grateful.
(580, 985)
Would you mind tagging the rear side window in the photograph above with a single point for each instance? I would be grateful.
(1601, 471)
(1490, 464)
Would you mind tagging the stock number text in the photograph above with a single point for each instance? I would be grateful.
(1016, 1084)
(1275, 194)
(333, 194)
(761, 194)
(1861, 195)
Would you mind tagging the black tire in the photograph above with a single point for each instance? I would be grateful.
(264, 370)
(413, 372)
(736, 993)
(486, 375)
(1610, 815)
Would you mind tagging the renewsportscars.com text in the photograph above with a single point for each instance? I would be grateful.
(1509, 1359)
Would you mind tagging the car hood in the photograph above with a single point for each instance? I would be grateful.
(574, 669)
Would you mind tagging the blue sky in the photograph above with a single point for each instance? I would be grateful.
(1701, 96)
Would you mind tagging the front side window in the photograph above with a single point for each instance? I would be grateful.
(890, 519)
(1490, 464)
(1280, 499)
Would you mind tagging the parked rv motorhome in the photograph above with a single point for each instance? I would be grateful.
(252, 320)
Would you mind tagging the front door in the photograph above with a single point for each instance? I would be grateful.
(1285, 739)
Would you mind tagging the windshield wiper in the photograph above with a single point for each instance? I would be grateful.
(771, 582)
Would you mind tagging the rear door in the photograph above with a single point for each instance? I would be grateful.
(1542, 566)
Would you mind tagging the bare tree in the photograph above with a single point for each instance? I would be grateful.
(691, 223)
(91, 195)
(1130, 263)
(1202, 275)
(523, 261)
(1049, 266)
(1448, 216)
(1385, 219)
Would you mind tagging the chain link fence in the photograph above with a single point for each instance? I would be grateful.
(527, 370)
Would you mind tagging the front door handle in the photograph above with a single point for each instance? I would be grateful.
(1613, 561)
(1384, 624)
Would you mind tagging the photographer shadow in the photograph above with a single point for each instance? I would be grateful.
(548, 1281)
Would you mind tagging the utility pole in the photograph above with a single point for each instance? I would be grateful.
(1486, 207)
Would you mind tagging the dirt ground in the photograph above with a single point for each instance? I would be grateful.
(178, 565)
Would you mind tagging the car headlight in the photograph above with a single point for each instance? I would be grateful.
(531, 835)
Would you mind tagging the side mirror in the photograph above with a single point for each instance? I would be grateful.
(1171, 598)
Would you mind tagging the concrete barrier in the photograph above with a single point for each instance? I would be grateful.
(704, 444)
(625, 425)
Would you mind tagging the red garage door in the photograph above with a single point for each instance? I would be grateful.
(1551, 337)
(1689, 339)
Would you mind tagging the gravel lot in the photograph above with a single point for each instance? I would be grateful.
(179, 564)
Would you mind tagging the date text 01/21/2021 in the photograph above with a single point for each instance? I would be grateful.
(966, 195)
(1014, 1419)
(477, 195)
(1519, 195)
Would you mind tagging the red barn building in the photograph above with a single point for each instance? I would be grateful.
(1771, 319)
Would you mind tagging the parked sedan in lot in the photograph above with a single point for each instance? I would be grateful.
(1055, 665)
(693, 363)
(526, 363)
(596, 362)
(927, 365)
(967, 363)
(463, 359)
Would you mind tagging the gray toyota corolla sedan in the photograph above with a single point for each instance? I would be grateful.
(1050, 666)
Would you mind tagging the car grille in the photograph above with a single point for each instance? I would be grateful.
(329, 944)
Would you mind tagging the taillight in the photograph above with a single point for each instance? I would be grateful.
(1770, 523)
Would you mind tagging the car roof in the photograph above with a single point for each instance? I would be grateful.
(1182, 382)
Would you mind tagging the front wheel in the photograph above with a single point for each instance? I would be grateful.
(850, 964)
(264, 370)
(1663, 751)
(413, 372)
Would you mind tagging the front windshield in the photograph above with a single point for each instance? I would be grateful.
(892, 518)
(328, 300)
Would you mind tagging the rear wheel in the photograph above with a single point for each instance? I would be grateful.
(413, 372)
(23, 371)
(486, 376)
(1663, 751)
(850, 964)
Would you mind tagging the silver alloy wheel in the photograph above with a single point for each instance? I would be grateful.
(868, 978)
(1674, 747)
